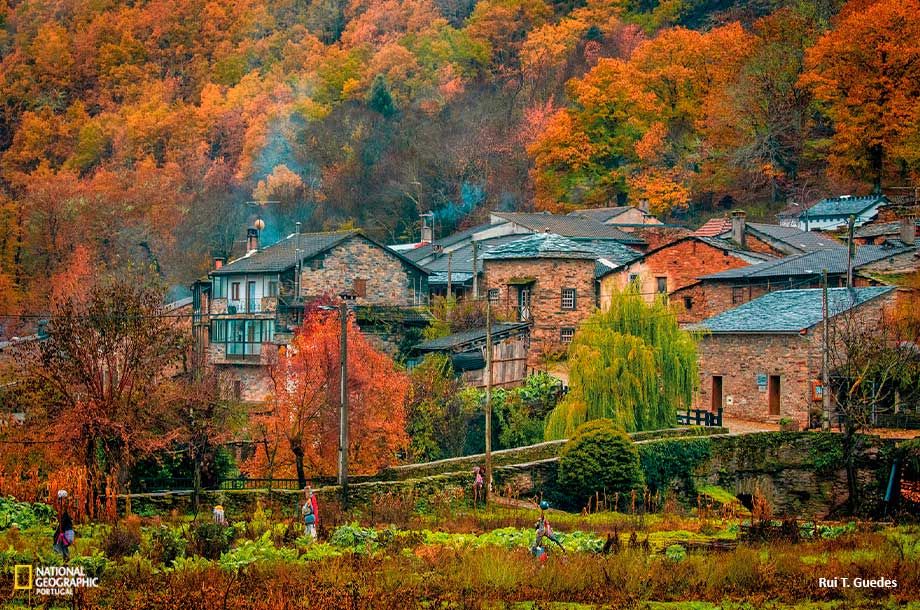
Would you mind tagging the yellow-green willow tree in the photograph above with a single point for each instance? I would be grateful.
(632, 364)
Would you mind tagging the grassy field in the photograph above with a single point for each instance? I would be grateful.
(471, 559)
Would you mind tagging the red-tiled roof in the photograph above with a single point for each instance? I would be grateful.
(713, 227)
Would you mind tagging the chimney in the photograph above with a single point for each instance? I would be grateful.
(219, 262)
(643, 205)
(739, 228)
(908, 233)
(297, 228)
(427, 232)
(252, 239)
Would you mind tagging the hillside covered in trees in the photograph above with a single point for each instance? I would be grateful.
(135, 133)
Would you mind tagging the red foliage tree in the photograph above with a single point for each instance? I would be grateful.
(304, 414)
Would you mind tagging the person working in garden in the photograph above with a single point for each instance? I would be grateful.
(477, 486)
(544, 529)
(64, 534)
(310, 512)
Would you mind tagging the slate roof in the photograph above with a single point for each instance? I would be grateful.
(603, 214)
(788, 311)
(466, 338)
(811, 263)
(731, 248)
(883, 228)
(843, 206)
(283, 254)
(541, 245)
(568, 226)
(804, 241)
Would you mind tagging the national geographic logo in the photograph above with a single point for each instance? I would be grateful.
(51, 580)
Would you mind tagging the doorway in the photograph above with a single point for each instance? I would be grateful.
(524, 303)
(773, 390)
(716, 402)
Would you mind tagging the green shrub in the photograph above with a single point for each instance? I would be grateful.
(676, 553)
(210, 540)
(23, 514)
(599, 458)
(166, 545)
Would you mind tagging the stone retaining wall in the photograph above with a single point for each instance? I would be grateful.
(800, 473)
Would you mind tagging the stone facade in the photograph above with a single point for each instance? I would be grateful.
(543, 279)
(386, 279)
(742, 361)
(753, 366)
(679, 264)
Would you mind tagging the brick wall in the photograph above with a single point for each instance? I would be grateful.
(755, 244)
(740, 358)
(680, 264)
(551, 275)
(388, 280)
(794, 358)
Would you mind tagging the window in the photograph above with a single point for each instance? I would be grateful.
(662, 285)
(316, 264)
(360, 287)
(220, 288)
(242, 337)
(737, 295)
(568, 298)
(633, 278)
(566, 334)
(235, 291)
(494, 294)
(272, 288)
(688, 303)
(251, 304)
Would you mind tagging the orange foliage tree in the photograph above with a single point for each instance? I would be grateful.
(300, 431)
(865, 75)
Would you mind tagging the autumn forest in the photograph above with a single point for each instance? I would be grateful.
(148, 134)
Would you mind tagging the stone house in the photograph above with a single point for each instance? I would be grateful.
(872, 265)
(834, 213)
(873, 233)
(669, 269)
(625, 217)
(762, 360)
(544, 279)
(251, 305)
(455, 262)
(775, 240)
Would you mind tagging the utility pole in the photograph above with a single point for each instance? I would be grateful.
(343, 404)
(825, 374)
(488, 399)
(450, 256)
(475, 274)
(851, 250)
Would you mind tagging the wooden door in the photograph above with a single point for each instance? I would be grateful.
(716, 403)
(773, 392)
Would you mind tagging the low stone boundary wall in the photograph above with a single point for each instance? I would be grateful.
(800, 473)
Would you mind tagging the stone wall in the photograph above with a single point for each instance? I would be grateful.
(388, 280)
(550, 277)
(800, 473)
(680, 263)
(744, 360)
